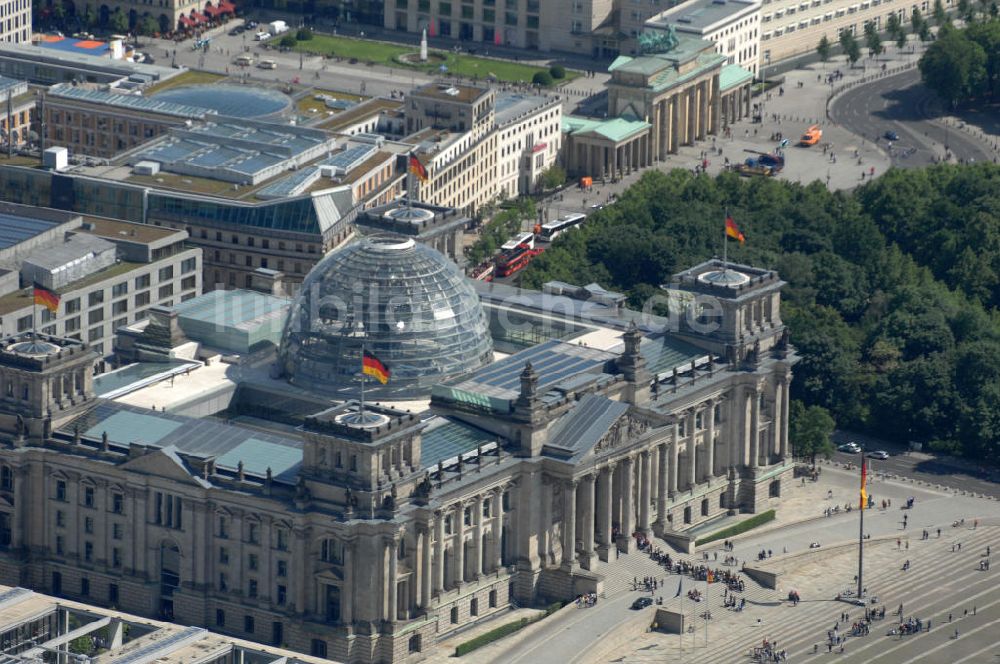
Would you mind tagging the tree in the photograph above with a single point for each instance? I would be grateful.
(900, 39)
(965, 10)
(940, 16)
(874, 43)
(557, 72)
(851, 48)
(89, 17)
(288, 41)
(554, 177)
(823, 49)
(893, 25)
(119, 21)
(925, 32)
(542, 78)
(304, 34)
(149, 25)
(954, 68)
(810, 430)
(916, 19)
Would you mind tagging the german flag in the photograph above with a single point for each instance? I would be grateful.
(733, 231)
(47, 298)
(864, 484)
(372, 366)
(418, 169)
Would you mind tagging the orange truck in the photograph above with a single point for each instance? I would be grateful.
(811, 137)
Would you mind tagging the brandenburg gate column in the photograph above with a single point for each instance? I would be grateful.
(663, 147)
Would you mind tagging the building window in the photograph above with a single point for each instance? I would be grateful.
(281, 539)
(60, 519)
(117, 503)
(252, 589)
(6, 479)
(282, 593)
(88, 551)
(88, 525)
(85, 587)
(95, 298)
(474, 607)
(189, 265)
(60, 545)
(223, 527)
(454, 615)
(493, 599)
(166, 273)
(95, 316)
(142, 299)
(223, 582)
(253, 535)
(282, 568)
(252, 561)
(248, 624)
(220, 618)
(116, 557)
(73, 306)
(61, 491)
(113, 594)
(117, 531)
(318, 648)
(223, 555)
(119, 289)
(88, 496)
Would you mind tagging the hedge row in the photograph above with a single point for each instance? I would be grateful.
(503, 630)
(741, 527)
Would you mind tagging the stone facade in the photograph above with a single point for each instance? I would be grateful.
(368, 555)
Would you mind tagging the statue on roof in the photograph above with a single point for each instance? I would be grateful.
(658, 41)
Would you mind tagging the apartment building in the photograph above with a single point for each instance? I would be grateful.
(790, 28)
(107, 273)
(602, 28)
(15, 21)
(477, 144)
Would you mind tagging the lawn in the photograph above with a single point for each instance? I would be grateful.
(385, 54)
(190, 77)
(309, 105)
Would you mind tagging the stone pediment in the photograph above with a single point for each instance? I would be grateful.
(595, 424)
(165, 463)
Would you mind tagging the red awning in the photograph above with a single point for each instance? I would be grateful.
(185, 21)
(198, 17)
(212, 11)
(227, 7)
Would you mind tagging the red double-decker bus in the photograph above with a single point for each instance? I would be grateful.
(513, 260)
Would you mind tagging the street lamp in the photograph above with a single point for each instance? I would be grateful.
(763, 82)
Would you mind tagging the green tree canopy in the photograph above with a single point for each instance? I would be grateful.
(823, 49)
(954, 67)
(810, 430)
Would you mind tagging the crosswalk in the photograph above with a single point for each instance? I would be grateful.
(939, 582)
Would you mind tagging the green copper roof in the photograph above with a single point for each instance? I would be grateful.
(615, 129)
(733, 75)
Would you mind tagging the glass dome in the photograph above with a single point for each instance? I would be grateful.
(403, 302)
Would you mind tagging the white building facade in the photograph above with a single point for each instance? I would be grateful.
(732, 25)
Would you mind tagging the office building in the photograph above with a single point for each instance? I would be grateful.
(732, 25)
(15, 21)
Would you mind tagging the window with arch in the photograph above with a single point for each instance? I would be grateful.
(6, 478)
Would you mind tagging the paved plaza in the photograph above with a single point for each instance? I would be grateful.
(938, 582)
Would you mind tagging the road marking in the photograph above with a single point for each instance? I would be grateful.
(975, 654)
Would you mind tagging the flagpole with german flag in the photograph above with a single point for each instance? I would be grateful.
(861, 533)
(374, 367)
(731, 231)
(47, 298)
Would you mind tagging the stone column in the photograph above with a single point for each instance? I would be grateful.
(604, 507)
(459, 544)
(589, 559)
(776, 423)
(569, 525)
(710, 441)
(644, 482)
(692, 450)
(439, 554)
(628, 475)
(477, 569)
(347, 589)
(497, 529)
(426, 582)
(661, 492)
(675, 455)
(786, 449)
(754, 428)
(393, 547)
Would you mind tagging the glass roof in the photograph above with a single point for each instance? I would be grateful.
(404, 302)
(232, 100)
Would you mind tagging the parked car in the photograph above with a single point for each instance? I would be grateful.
(878, 454)
(850, 447)
(238, 30)
(891, 136)
(642, 603)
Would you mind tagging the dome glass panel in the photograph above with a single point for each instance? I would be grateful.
(403, 302)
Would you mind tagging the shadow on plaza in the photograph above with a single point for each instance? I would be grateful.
(915, 103)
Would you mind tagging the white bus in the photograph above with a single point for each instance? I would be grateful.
(519, 239)
(553, 229)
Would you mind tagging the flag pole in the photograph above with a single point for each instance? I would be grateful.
(861, 533)
(361, 406)
(409, 181)
(725, 243)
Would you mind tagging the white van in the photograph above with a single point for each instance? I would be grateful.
(261, 36)
(267, 64)
(244, 60)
